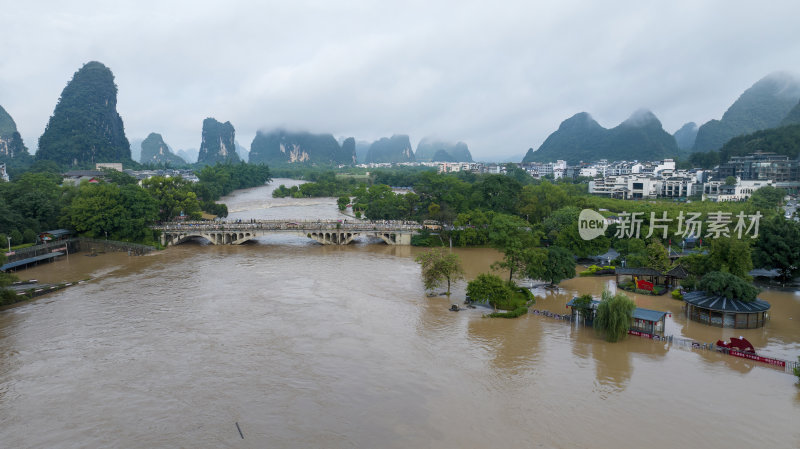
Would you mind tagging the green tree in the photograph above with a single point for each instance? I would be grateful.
(778, 246)
(489, 288)
(28, 236)
(174, 196)
(727, 285)
(16, 238)
(731, 255)
(472, 228)
(730, 181)
(571, 239)
(657, 257)
(613, 316)
(497, 193)
(537, 202)
(584, 305)
(438, 266)
(552, 265)
(122, 213)
(766, 200)
(512, 236)
(342, 202)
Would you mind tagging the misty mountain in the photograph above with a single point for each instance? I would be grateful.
(764, 105)
(136, 148)
(393, 149)
(218, 143)
(244, 153)
(85, 127)
(428, 148)
(685, 136)
(189, 155)
(581, 138)
(793, 117)
(443, 156)
(280, 147)
(156, 151)
(11, 145)
(362, 148)
(784, 140)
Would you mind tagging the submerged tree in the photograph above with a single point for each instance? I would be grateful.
(553, 264)
(439, 265)
(613, 316)
(584, 305)
(489, 288)
(728, 285)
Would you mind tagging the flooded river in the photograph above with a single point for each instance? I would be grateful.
(310, 346)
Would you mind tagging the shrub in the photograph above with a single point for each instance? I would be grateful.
(642, 291)
(677, 294)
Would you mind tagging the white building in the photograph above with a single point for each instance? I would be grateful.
(718, 191)
(3, 173)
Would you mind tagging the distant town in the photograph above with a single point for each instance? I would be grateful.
(734, 180)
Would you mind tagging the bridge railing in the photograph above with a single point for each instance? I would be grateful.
(284, 225)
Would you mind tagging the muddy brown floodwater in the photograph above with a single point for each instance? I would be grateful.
(307, 346)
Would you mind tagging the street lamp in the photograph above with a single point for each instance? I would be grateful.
(9, 243)
(106, 234)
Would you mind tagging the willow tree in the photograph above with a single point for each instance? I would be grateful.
(614, 315)
(439, 266)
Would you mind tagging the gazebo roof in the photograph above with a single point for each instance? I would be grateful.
(718, 303)
(648, 315)
(638, 313)
(611, 254)
(640, 271)
(678, 272)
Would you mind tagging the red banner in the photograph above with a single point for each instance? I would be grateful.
(758, 358)
(644, 285)
(640, 334)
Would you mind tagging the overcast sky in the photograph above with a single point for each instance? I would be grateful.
(498, 75)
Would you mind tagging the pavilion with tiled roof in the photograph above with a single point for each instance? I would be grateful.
(716, 310)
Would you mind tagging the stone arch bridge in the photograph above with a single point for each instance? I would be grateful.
(327, 232)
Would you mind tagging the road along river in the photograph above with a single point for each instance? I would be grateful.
(304, 345)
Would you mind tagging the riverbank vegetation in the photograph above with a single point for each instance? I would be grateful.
(116, 208)
(7, 296)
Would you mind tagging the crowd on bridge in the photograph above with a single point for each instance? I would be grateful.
(288, 225)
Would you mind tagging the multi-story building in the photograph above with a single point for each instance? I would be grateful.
(760, 166)
(679, 186)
